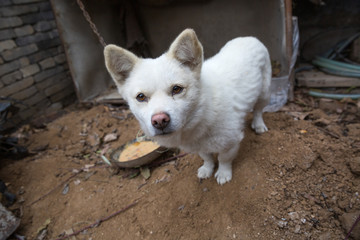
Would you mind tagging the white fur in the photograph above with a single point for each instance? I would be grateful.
(208, 116)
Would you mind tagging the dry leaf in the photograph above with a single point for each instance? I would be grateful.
(145, 172)
(110, 137)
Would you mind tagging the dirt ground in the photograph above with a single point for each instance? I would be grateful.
(300, 180)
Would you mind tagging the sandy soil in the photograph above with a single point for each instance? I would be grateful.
(298, 181)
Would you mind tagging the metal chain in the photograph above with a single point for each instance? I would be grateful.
(92, 25)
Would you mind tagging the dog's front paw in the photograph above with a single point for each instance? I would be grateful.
(223, 176)
(205, 172)
(259, 128)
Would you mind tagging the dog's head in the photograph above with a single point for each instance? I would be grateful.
(163, 92)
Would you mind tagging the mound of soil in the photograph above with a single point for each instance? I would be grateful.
(300, 180)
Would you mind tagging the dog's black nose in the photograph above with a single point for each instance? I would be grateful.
(160, 120)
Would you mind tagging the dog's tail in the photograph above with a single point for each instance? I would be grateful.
(266, 72)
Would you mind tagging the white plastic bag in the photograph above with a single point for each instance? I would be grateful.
(280, 85)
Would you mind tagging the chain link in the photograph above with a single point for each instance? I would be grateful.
(92, 25)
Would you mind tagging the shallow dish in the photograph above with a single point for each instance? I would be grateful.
(137, 161)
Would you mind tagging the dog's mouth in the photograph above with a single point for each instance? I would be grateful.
(163, 133)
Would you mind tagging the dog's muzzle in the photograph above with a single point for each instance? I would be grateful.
(160, 121)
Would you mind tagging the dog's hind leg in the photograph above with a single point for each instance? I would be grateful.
(258, 122)
(224, 172)
(206, 170)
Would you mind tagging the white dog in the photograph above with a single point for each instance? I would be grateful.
(198, 106)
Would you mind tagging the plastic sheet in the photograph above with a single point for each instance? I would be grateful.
(280, 85)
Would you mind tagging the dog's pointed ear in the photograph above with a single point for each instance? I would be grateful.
(187, 49)
(119, 62)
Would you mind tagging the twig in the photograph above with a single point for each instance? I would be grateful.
(352, 227)
(52, 190)
(328, 132)
(98, 222)
(60, 184)
(158, 163)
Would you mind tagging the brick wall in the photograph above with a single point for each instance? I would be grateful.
(33, 67)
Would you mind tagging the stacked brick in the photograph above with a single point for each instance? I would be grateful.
(33, 68)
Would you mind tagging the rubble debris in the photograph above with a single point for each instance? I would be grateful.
(8, 222)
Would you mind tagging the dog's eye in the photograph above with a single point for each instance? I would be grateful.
(176, 90)
(141, 97)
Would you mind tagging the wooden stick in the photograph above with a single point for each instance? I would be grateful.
(98, 222)
(52, 190)
(328, 132)
(61, 184)
(158, 163)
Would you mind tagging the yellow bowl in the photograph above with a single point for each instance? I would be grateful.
(137, 161)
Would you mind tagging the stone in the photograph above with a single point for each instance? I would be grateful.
(26, 93)
(25, 1)
(63, 95)
(44, 6)
(347, 220)
(45, 103)
(293, 215)
(19, 52)
(354, 165)
(282, 224)
(49, 43)
(51, 81)
(24, 61)
(16, 87)
(10, 22)
(37, 17)
(110, 137)
(9, 67)
(56, 87)
(47, 63)
(38, 37)
(30, 70)
(54, 33)
(61, 58)
(11, 77)
(5, 3)
(6, 45)
(24, 31)
(38, 97)
(43, 26)
(54, 107)
(40, 55)
(48, 73)
(7, 34)
(17, 10)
